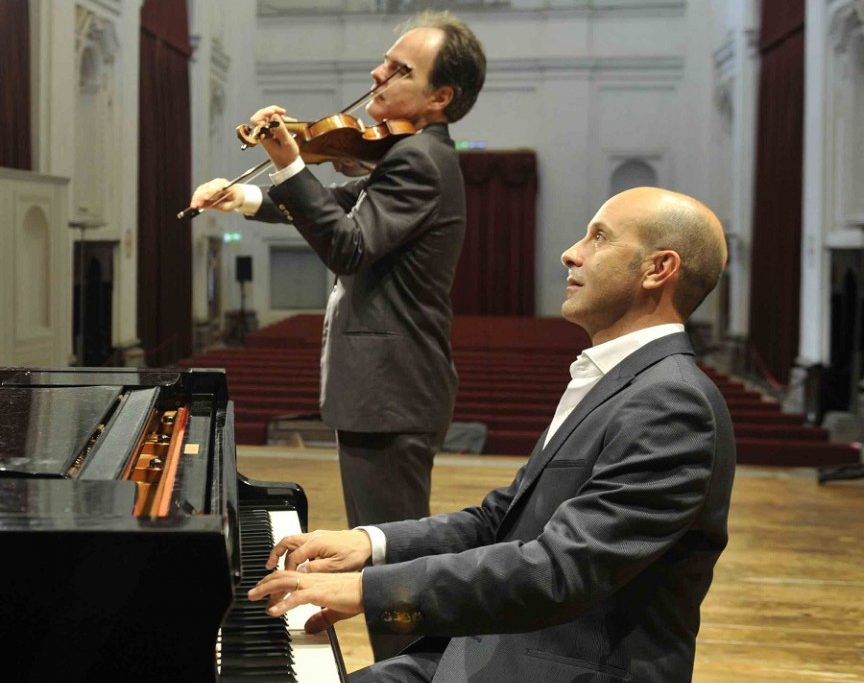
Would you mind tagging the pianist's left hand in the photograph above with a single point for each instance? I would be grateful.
(339, 595)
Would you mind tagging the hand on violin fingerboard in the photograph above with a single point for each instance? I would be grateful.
(279, 143)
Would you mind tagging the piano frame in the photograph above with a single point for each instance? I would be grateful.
(87, 589)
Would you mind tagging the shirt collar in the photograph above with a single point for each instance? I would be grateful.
(608, 354)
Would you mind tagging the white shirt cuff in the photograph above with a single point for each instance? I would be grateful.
(289, 171)
(252, 198)
(379, 544)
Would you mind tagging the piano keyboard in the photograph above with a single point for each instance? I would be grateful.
(252, 645)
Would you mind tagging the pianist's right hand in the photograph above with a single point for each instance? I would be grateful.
(211, 195)
(325, 551)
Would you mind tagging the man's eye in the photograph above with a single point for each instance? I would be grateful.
(598, 236)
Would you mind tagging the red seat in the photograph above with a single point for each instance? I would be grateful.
(512, 371)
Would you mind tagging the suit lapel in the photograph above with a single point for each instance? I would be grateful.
(614, 381)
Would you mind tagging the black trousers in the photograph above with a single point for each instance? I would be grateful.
(386, 477)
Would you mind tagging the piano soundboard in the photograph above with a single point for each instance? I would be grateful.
(130, 538)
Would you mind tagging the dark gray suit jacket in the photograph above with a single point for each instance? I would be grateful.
(592, 564)
(393, 239)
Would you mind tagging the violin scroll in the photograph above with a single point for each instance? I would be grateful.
(250, 136)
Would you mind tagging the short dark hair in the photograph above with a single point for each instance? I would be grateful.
(461, 62)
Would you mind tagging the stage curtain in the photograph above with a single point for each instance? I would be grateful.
(779, 19)
(15, 128)
(776, 254)
(165, 184)
(495, 275)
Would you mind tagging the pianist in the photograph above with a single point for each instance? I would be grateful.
(592, 564)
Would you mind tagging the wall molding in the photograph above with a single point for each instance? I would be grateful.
(275, 10)
(283, 75)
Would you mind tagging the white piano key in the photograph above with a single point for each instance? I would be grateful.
(287, 523)
(314, 659)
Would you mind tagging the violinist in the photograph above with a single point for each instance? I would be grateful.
(393, 240)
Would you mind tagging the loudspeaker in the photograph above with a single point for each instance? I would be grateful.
(244, 269)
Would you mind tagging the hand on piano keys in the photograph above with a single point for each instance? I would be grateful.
(253, 645)
(322, 551)
(339, 595)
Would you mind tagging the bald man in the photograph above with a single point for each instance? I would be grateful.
(593, 563)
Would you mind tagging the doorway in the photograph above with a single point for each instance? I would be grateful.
(847, 331)
(92, 304)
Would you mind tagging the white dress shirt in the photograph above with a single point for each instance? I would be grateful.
(252, 195)
(593, 363)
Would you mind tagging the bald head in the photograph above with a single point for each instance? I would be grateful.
(672, 221)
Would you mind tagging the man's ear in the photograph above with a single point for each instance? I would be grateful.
(442, 97)
(664, 268)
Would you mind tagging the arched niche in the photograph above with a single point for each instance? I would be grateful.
(632, 173)
(32, 274)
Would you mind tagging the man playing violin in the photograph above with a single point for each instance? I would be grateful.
(393, 240)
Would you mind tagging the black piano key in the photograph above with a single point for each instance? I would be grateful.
(242, 676)
(262, 647)
(254, 645)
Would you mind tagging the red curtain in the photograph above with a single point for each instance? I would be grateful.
(164, 184)
(779, 19)
(776, 254)
(495, 275)
(15, 149)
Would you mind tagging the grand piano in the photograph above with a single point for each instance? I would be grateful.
(129, 538)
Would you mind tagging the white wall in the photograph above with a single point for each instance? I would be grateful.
(34, 265)
(586, 88)
(59, 32)
(223, 85)
(833, 211)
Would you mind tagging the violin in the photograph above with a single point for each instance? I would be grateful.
(340, 138)
(336, 138)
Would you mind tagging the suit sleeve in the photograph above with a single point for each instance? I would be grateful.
(398, 202)
(344, 195)
(449, 533)
(647, 486)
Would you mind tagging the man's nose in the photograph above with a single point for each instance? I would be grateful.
(571, 257)
(378, 73)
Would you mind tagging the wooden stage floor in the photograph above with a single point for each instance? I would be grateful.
(787, 602)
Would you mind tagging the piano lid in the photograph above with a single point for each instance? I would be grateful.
(68, 377)
(42, 430)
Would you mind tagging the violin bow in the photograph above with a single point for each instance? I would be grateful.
(402, 70)
(248, 174)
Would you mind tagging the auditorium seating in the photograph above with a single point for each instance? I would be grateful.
(511, 374)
